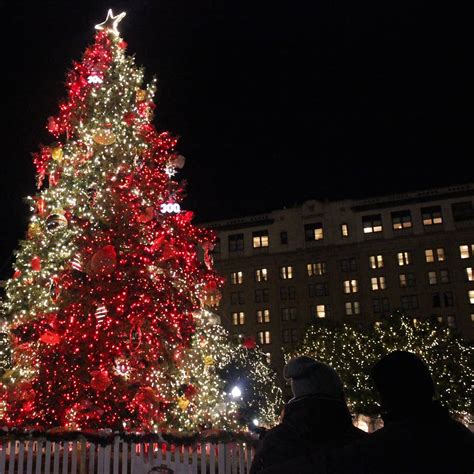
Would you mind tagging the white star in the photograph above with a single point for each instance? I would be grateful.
(110, 23)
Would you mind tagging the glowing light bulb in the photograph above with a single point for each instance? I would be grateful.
(236, 392)
(255, 422)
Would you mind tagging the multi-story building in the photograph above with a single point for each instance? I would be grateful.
(352, 260)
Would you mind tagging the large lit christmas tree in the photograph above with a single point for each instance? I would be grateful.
(110, 297)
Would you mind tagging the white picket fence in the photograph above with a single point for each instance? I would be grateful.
(39, 456)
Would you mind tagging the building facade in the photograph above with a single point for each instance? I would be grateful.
(350, 260)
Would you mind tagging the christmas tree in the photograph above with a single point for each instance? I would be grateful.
(113, 282)
(353, 349)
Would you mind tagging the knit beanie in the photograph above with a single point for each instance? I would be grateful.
(310, 377)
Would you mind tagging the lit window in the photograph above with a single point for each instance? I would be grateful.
(260, 239)
(429, 256)
(236, 278)
(288, 314)
(466, 251)
(262, 296)
(236, 242)
(404, 258)
(313, 231)
(350, 286)
(432, 278)
(261, 274)
(318, 268)
(344, 230)
(401, 220)
(440, 254)
(469, 274)
(286, 273)
(471, 296)
(376, 261)
(372, 224)
(444, 276)
(263, 316)
(472, 317)
(431, 215)
(407, 280)
(263, 337)
(352, 307)
(451, 320)
(378, 283)
(321, 311)
(238, 319)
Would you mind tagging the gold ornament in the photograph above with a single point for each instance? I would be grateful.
(140, 95)
(183, 403)
(57, 154)
(104, 136)
(34, 229)
(209, 360)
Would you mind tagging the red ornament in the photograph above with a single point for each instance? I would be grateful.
(40, 206)
(190, 391)
(16, 274)
(51, 338)
(122, 44)
(249, 342)
(100, 380)
(147, 215)
(104, 260)
(36, 264)
(129, 118)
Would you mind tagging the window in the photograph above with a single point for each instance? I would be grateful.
(236, 278)
(436, 300)
(236, 242)
(433, 255)
(286, 273)
(463, 211)
(376, 261)
(451, 321)
(318, 268)
(471, 296)
(263, 337)
(372, 224)
(318, 289)
(407, 280)
(381, 305)
(262, 296)
(348, 265)
(263, 316)
(260, 239)
(466, 251)
(432, 278)
(448, 298)
(313, 231)
(469, 274)
(352, 307)
(350, 286)
(378, 283)
(237, 297)
(409, 302)
(289, 335)
(288, 314)
(284, 238)
(261, 274)
(444, 276)
(344, 230)
(401, 220)
(404, 258)
(431, 215)
(238, 319)
(321, 310)
(288, 293)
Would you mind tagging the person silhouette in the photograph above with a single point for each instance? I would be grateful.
(316, 416)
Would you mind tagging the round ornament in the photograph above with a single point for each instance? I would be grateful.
(56, 221)
(104, 260)
(104, 136)
(57, 154)
(36, 263)
(100, 380)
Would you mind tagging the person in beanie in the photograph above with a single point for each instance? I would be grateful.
(317, 416)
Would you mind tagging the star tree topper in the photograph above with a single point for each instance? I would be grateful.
(111, 22)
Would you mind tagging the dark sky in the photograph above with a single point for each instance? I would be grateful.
(275, 102)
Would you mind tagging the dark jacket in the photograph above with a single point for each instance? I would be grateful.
(429, 441)
(309, 424)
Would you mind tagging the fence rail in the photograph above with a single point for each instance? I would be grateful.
(39, 456)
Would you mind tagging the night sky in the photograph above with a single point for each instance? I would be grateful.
(275, 102)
